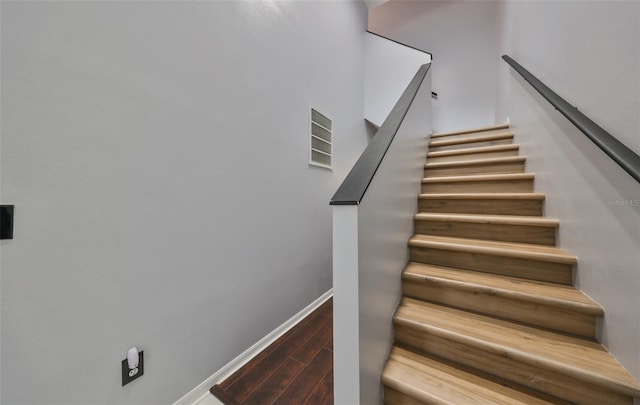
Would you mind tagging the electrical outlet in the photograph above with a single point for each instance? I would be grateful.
(128, 374)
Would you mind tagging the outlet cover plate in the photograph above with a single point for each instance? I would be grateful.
(125, 369)
(6, 221)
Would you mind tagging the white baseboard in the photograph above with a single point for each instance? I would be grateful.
(202, 390)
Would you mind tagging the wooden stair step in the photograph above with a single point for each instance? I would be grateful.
(410, 377)
(482, 183)
(508, 228)
(469, 134)
(467, 141)
(507, 164)
(473, 153)
(489, 314)
(530, 204)
(521, 250)
(568, 367)
(470, 130)
(534, 262)
(548, 305)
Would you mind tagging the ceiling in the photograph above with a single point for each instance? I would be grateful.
(373, 3)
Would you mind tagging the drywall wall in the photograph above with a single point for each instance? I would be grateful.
(463, 38)
(157, 154)
(370, 251)
(388, 69)
(597, 203)
(587, 52)
(346, 306)
(503, 70)
(385, 224)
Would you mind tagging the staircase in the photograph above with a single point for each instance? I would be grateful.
(489, 313)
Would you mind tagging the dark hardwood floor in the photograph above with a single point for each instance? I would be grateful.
(295, 369)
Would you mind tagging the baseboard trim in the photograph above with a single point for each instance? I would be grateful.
(201, 391)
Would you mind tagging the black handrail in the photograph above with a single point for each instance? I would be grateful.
(357, 181)
(619, 152)
(400, 43)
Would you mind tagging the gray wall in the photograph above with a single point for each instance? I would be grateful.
(463, 38)
(157, 154)
(589, 53)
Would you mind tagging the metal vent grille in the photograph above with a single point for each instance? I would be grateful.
(321, 147)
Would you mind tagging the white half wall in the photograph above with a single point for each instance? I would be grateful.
(463, 38)
(388, 69)
(157, 156)
(370, 252)
(385, 224)
(589, 53)
(346, 307)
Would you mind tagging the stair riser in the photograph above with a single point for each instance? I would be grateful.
(498, 232)
(499, 364)
(472, 156)
(470, 144)
(511, 266)
(488, 303)
(499, 207)
(496, 168)
(485, 186)
(394, 397)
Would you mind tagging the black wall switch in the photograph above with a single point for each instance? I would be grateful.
(6, 221)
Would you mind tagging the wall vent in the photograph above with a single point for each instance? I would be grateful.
(321, 137)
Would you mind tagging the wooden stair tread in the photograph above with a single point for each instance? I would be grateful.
(471, 130)
(551, 294)
(467, 151)
(510, 249)
(475, 162)
(483, 196)
(430, 381)
(575, 357)
(479, 177)
(488, 219)
(471, 139)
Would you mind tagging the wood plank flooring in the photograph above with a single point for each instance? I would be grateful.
(295, 369)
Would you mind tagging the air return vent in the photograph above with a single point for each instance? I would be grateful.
(321, 147)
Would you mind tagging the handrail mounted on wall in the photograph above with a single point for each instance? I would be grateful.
(400, 43)
(619, 152)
